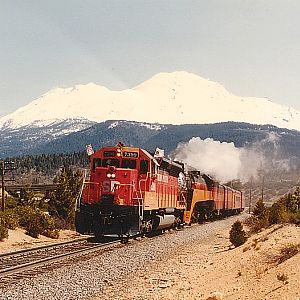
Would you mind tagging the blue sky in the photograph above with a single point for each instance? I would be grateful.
(252, 47)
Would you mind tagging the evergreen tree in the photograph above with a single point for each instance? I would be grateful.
(277, 213)
(259, 209)
(26, 196)
(237, 235)
(63, 199)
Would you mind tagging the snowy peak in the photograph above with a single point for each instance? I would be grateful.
(166, 98)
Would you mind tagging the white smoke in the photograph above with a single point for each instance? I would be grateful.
(226, 162)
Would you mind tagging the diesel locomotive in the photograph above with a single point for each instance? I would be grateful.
(131, 191)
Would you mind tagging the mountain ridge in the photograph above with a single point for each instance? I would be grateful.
(166, 98)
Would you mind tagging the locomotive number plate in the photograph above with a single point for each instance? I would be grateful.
(109, 153)
(130, 154)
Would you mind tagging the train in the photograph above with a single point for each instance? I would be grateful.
(131, 191)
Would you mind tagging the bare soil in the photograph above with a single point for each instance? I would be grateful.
(209, 270)
(214, 270)
(18, 240)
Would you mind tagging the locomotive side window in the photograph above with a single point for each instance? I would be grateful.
(144, 166)
(96, 163)
(128, 164)
(110, 162)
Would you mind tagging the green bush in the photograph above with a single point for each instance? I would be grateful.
(3, 228)
(237, 235)
(48, 225)
(11, 219)
(259, 209)
(278, 214)
(295, 218)
(36, 222)
(24, 214)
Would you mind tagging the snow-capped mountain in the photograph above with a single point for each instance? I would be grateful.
(166, 98)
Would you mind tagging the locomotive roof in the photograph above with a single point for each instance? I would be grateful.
(150, 156)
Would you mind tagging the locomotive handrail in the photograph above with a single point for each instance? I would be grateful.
(78, 198)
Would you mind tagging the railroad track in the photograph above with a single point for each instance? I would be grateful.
(27, 263)
(30, 262)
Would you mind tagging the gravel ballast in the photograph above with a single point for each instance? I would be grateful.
(90, 277)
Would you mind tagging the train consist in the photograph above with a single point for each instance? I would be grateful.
(131, 191)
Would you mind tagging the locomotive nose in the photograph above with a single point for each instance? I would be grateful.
(111, 172)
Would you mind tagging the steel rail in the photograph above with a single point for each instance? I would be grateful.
(44, 261)
(29, 250)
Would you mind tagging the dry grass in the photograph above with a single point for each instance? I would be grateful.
(283, 277)
(287, 252)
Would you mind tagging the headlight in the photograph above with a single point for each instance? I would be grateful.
(113, 175)
(108, 175)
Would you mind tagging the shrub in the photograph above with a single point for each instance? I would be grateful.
(295, 218)
(48, 225)
(23, 214)
(278, 213)
(237, 235)
(3, 228)
(259, 209)
(282, 277)
(36, 222)
(288, 252)
(33, 224)
(256, 225)
(11, 219)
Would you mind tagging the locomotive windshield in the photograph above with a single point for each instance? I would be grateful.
(128, 164)
(124, 163)
(110, 162)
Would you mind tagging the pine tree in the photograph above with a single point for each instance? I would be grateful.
(259, 209)
(62, 201)
(277, 213)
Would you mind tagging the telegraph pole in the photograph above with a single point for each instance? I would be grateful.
(5, 166)
(262, 189)
(3, 188)
(250, 201)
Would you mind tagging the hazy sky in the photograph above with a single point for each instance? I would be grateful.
(252, 47)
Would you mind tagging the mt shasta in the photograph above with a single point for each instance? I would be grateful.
(166, 98)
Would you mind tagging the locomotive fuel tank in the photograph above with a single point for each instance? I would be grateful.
(164, 222)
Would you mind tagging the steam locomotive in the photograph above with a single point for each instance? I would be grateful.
(131, 191)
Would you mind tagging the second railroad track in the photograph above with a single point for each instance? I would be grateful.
(25, 263)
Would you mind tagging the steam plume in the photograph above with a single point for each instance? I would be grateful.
(226, 162)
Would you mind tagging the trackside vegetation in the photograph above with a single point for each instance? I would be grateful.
(285, 210)
(41, 215)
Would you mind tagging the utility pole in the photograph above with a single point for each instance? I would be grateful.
(3, 188)
(262, 189)
(250, 196)
(5, 166)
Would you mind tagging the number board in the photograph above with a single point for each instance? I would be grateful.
(130, 154)
(109, 153)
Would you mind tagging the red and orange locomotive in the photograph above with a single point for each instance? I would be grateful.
(130, 191)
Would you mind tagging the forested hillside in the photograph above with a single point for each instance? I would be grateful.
(150, 136)
(70, 150)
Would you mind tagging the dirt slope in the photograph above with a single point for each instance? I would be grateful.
(212, 270)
